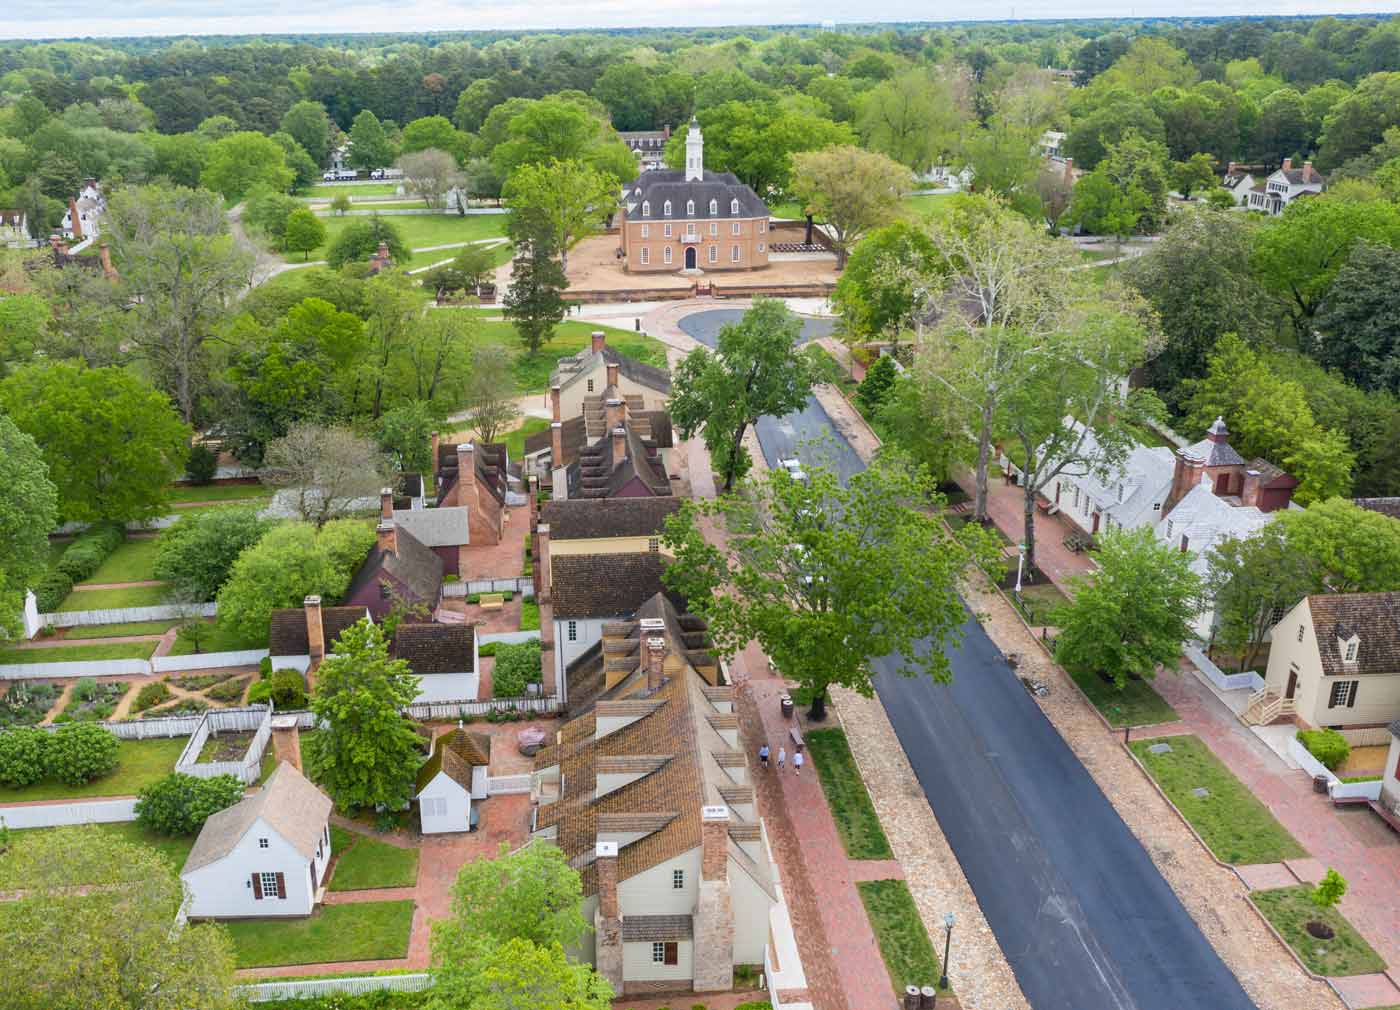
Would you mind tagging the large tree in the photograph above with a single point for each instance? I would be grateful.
(884, 288)
(916, 117)
(519, 975)
(179, 270)
(829, 577)
(370, 146)
(572, 197)
(196, 554)
(367, 754)
(303, 232)
(360, 239)
(327, 472)
(235, 164)
(28, 511)
(429, 173)
(851, 190)
(753, 371)
(534, 302)
(1253, 580)
(307, 124)
(1133, 612)
(59, 949)
(490, 392)
(112, 444)
(1359, 323)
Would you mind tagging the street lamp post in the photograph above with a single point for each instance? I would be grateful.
(1020, 565)
(948, 921)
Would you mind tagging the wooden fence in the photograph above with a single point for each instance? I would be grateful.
(522, 585)
(510, 637)
(208, 660)
(504, 785)
(258, 992)
(59, 815)
(123, 615)
(228, 720)
(463, 709)
(86, 668)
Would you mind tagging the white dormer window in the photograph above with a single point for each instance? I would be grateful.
(1350, 655)
(714, 207)
(690, 208)
(646, 208)
(733, 206)
(666, 209)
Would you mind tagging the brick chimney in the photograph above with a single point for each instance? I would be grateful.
(104, 254)
(386, 538)
(555, 395)
(1188, 473)
(1308, 172)
(713, 957)
(386, 503)
(556, 443)
(542, 561)
(466, 469)
(666, 131)
(653, 634)
(619, 445)
(614, 370)
(532, 488)
(434, 467)
(1230, 168)
(77, 221)
(600, 340)
(1249, 493)
(607, 921)
(1288, 164)
(315, 630)
(614, 412)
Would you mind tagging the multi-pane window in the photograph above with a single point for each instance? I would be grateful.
(678, 880)
(666, 255)
(1351, 652)
(646, 255)
(646, 208)
(1343, 694)
(690, 208)
(714, 207)
(762, 226)
(761, 247)
(658, 953)
(573, 631)
(1302, 630)
(690, 227)
(262, 843)
(269, 884)
(664, 952)
(666, 209)
(646, 231)
(733, 206)
(734, 254)
(734, 228)
(714, 227)
(714, 254)
(654, 545)
(666, 231)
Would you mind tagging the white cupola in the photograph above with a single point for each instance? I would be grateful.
(694, 153)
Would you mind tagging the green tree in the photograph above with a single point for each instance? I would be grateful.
(340, 203)
(367, 754)
(490, 392)
(240, 161)
(268, 211)
(883, 288)
(1329, 890)
(1094, 132)
(112, 444)
(828, 577)
(180, 804)
(1004, 160)
(1360, 319)
(572, 197)
(561, 128)
(1138, 166)
(304, 232)
(405, 434)
(434, 132)
(1359, 120)
(196, 554)
(1347, 549)
(143, 964)
(1100, 207)
(1150, 63)
(24, 320)
(753, 371)
(875, 388)
(359, 239)
(851, 190)
(28, 511)
(1195, 174)
(307, 124)
(370, 146)
(1252, 580)
(534, 302)
(915, 117)
(305, 172)
(1133, 613)
(519, 975)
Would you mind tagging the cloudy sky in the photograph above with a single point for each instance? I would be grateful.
(87, 18)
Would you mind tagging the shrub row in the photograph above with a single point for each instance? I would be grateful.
(180, 804)
(1327, 745)
(75, 754)
(81, 558)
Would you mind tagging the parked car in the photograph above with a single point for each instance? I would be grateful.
(339, 175)
(793, 466)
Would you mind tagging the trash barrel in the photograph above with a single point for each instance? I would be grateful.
(1320, 784)
(786, 700)
(911, 997)
(928, 998)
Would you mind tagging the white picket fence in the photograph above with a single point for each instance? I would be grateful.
(510, 637)
(462, 709)
(1356, 790)
(228, 720)
(92, 668)
(258, 992)
(121, 615)
(208, 660)
(1246, 681)
(504, 785)
(59, 815)
(523, 586)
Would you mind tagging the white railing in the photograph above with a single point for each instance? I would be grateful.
(1356, 790)
(123, 615)
(502, 785)
(462, 709)
(58, 815)
(89, 668)
(1370, 736)
(228, 720)
(259, 992)
(208, 660)
(510, 637)
(1307, 762)
(523, 586)
(1246, 681)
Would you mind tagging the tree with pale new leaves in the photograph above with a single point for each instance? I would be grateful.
(574, 198)
(366, 754)
(490, 392)
(849, 189)
(326, 471)
(828, 576)
(429, 173)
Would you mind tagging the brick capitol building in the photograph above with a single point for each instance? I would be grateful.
(692, 220)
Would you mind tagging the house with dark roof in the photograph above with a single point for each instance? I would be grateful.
(579, 380)
(300, 638)
(1385, 506)
(647, 792)
(398, 568)
(1335, 662)
(453, 776)
(1284, 186)
(266, 856)
(649, 146)
(446, 531)
(692, 219)
(474, 477)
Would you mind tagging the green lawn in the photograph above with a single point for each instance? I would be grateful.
(117, 630)
(929, 203)
(216, 638)
(1038, 601)
(515, 440)
(113, 599)
(398, 203)
(856, 821)
(904, 942)
(192, 510)
(213, 492)
(1135, 704)
(368, 189)
(362, 863)
(532, 373)
(133, 561)
(139, 763)
(371, 930)
(1232, 822)
(175, 850)
(420, 230)
(1290, 910)
(79, 653)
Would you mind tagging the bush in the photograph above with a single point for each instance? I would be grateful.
(288, 689)
(359, 239)
(529, 616)
(196, 554)
(1327, 745)
(489, 649)
(516, 666)
(80, 752)
(52, 590)
(152, 694)
(260, 693)
(265, 668)
(22, 756)
(201, 465)
(229, 690)
(85, 689)
(180, 804)
(86, 554)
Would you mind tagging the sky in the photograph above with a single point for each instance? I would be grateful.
(102, 18)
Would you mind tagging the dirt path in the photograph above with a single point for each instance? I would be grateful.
(119, 585)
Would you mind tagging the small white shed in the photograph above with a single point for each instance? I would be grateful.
(450, 779)
(264, 856)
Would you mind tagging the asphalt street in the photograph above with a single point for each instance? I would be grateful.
(1081, 912)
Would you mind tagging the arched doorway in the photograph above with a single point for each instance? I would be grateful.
(690, 257)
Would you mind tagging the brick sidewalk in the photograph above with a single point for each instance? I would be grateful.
(1006, 508)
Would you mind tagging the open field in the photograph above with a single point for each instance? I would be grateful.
(114, 599)
(1290, 909)
(139, 763)
(423, 230)
(133, 561)
(532, 373)
(367, 189)
(370, 930)
(80, 653)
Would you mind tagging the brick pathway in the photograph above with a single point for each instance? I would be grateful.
(1006, 508)
(1352, 840)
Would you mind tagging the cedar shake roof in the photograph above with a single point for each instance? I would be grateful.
(675, 746)
(490, 468)
(655, 928)
(1269, 473)
(287, 802)
(573, 432)
(588, 362)
(1215, 449)
(1385, 506)
(590, 518)
(436, 648)
(1303, 176)
(1373, 617)
(661, 435)
(455, 753)
(600, 473)
(286, 634)
(658, 186)
(415, 570)
(591, 586)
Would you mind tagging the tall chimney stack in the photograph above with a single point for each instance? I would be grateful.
(607, 922)
(653, 635)
(386, 503)
(614, 412)
(387, 540)
(556, 444)
(315, 629)
(619, 445)
(542, 560)
(713, 950)
(600, 340)
(614, 372)
(466, 468)
(555, 395)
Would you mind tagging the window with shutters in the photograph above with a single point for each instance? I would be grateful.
(672, 954)
(658, 953)
(1343, 695)
(269, 885)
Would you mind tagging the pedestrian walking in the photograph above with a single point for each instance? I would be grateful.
(782, 757)
(763, 756)
(797, 762)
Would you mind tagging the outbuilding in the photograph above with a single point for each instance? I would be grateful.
(451, 779)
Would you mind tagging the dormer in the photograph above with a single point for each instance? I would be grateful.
(1348, 644)
(646, 208)
(714, 208)
(690, 208)
(666, 209)
(734, 206)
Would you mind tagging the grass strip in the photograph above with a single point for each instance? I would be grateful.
(856, 820)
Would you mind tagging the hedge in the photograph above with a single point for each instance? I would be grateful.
(1327, 745)
(78, 561)
(516, 666)
(180, 804)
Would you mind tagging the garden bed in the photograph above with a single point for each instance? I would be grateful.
(1231, 821)
(139, 763)
(856, 820)
(225, 747)
(184, 706)
(27, 702)
(363, 931)
(1134, 704)
(1290, 909)
(92, 700)
(363, 863)
(904, 942)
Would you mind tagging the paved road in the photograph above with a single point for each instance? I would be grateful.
(1083, 915)
(704, 326)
